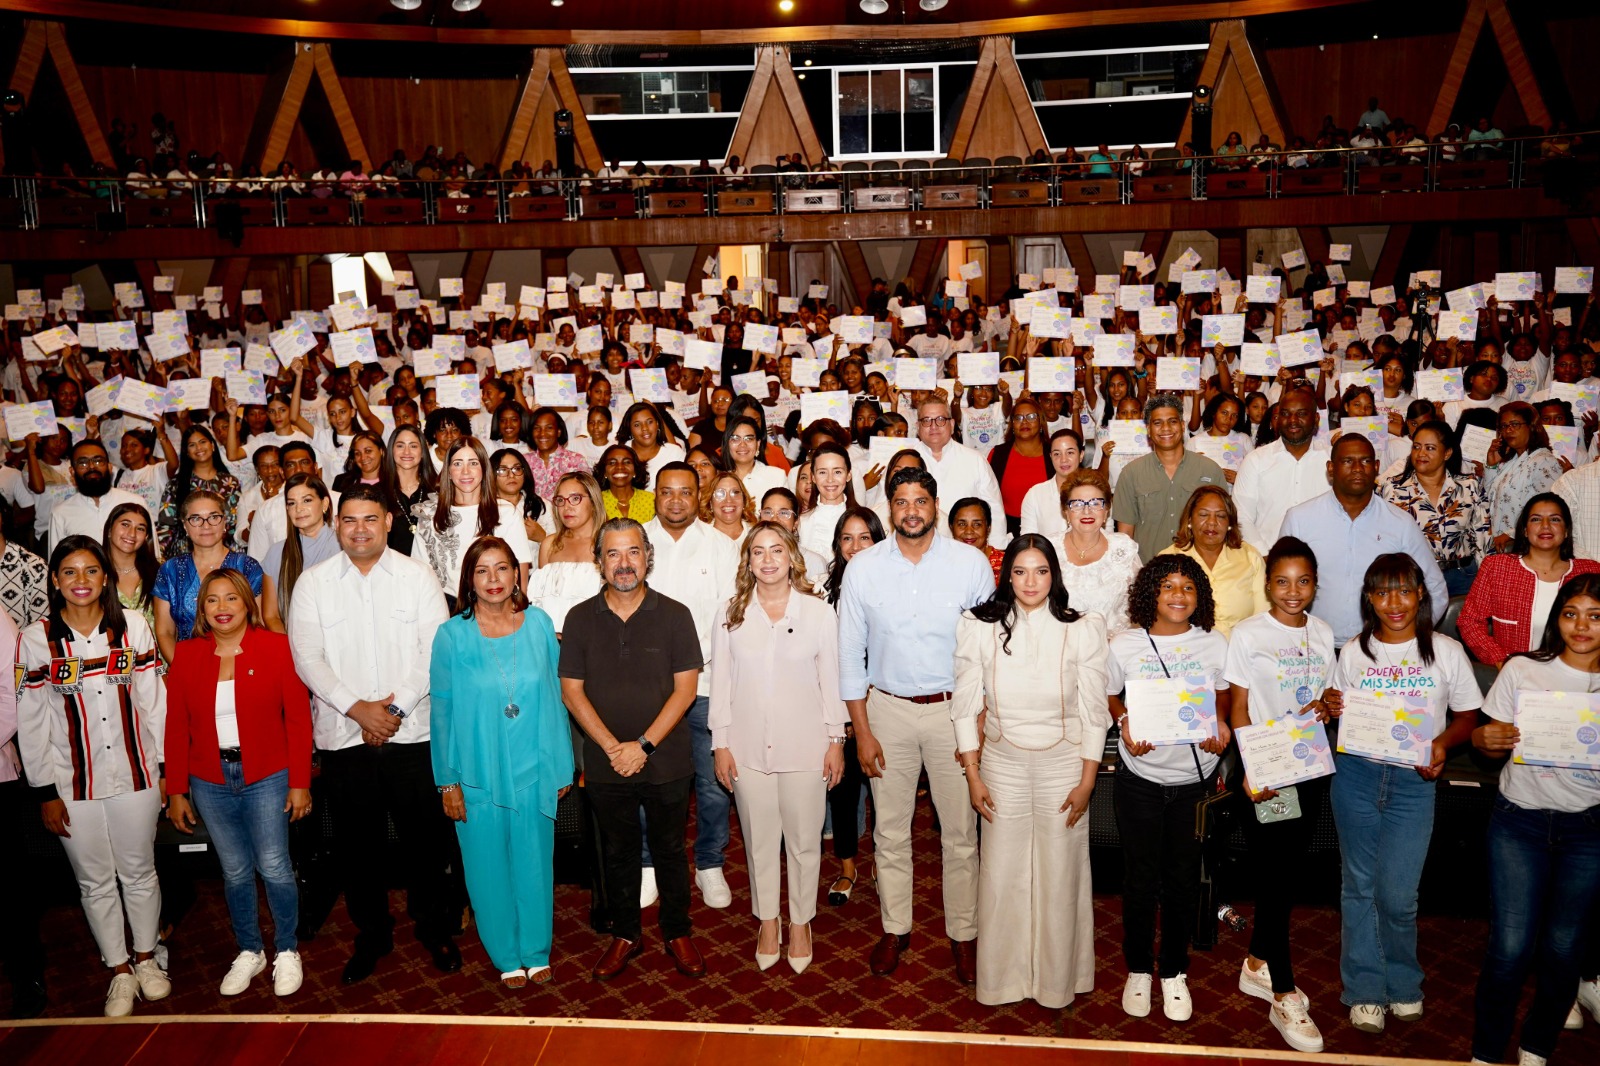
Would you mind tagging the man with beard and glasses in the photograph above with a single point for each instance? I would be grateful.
(85, 511)
(1276, 476)
(898, 611)
(630, 666)
(1154, 488)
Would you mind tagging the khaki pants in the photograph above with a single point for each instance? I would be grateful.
(782, 811)
(913, 736)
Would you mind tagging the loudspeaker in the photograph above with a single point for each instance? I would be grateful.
(565, 144)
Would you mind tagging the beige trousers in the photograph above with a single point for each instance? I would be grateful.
(782, 809)
(915, 735)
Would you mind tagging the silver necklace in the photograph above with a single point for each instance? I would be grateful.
(512, 710)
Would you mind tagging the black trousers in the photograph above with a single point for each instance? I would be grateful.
(616, 807)
(367, 787)
(1276, 853)
(21, 951)
(1160, 865)
(844, 800)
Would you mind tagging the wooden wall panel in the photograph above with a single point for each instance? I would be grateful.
(1338, 79)
(466, 115)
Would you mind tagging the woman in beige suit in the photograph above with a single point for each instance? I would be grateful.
(1031, 679)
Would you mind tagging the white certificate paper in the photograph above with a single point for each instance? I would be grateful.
(1285, 751)
(1165, 711)
(1386, 727)
(1558, 729)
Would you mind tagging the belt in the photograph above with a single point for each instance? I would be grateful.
(937, 697)
(230, 755)
(1458, 564)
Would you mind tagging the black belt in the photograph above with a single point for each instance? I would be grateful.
(231, 755)
(937, 697)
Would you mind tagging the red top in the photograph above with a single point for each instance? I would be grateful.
(272, 706)
(1503, 592)
(1023, 472)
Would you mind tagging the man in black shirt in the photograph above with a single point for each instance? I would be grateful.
(630, 662)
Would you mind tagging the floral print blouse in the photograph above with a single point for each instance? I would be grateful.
(1457, 526)
(169, 527)
(1513, 483)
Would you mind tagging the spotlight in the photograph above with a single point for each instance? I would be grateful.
(406, 5)
(1202, 93)
(932, 5)
(808, 62)
(786, 6)
(557, 3)
(465, 5)
(874, 7)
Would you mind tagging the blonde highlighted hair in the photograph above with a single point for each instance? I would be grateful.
(744, 585)
(241, 585)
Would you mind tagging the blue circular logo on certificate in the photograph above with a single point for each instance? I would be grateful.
(1301, 750)
(1587, 734)
(1186, 714)
(1302, 695)
(1399, 732)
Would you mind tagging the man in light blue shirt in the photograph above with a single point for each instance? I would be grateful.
(898, 611)
(1351, 526)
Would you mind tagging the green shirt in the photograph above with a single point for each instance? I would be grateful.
(1151, 502)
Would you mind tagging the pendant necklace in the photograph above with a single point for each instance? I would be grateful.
(512, 710)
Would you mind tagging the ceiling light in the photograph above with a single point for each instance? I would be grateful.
(465, 5)
(557, 3)
(932, 5)
(786, 6)
(874, 7)
(406, 5)
(801, 76)
(808, 62)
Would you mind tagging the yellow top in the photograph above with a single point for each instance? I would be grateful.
(1238, 583)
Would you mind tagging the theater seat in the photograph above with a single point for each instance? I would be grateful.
(1447, 625)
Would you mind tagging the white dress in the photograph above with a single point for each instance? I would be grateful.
(1101, 586)
(558, 587)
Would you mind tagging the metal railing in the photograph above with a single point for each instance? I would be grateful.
(114, 202)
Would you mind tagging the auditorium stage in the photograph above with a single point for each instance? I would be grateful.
(355, 1040)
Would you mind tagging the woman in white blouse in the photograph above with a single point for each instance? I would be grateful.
(1031, 675)
(777, 728)
(1097, 564)
(1041, 505)
(465, 509)
(832, 495)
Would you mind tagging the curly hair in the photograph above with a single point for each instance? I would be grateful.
(1147, 586)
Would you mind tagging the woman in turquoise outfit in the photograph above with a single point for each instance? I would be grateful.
(502, 756)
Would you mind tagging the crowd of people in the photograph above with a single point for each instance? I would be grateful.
(742, 547)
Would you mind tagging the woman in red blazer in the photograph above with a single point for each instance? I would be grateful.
(239, 748)
(1514, 590)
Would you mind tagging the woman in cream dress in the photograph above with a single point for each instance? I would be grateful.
(1031, 675)
(567, 574)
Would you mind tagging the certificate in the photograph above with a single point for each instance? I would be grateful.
(1048, 373)
(1441, 385)
(1297, 349)
(1475, 444)
(1387, 727)
(1052, 322)
(1178, 373)
(294, 339)
(25, 418)
(914, 316)
(1558, 729)
(459, 391)
(752, 384)
(1575, 279)
(978, 368)
(1130, 435)
(428, 363)
(854, 329)
(650, 383)
(1165, 711)
(1262, 290)
(1462, 325)
(1099, 306)
(815, 406)
(217, 362)
(702, 355)
(555, 390)
(354, 346)
(512, 357)
(806, 373)
(245, 386)
(1285, 751)
(761, 338)
(1113, 350)
(1199, 281)
(1158, 321)
(1136, 297)
(589, 339)
(1227, 330)
(1516, 285)
(1227, 452)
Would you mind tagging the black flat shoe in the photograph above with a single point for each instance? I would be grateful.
(362, 964)
(446, 956)
(837, 898)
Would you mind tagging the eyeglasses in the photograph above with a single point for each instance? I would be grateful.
(571, 500)
(1094, 504)
(726, 494)
(741, 438)
(1025, 418)
(769, 513)
(1506, 425)
(508, 471)
(936, 421)
(197, 520)
(91, 462)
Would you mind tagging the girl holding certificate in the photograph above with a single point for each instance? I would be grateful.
(1409, 696)
(1030, 676)
(1160, 782)
(1544, 838)
(1280, 664)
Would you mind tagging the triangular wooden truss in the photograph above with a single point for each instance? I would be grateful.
(1493, 12)
(998, 118)
(1230, 68)
(40, 39)
(530, 132)
(285, 98)
(774, 120)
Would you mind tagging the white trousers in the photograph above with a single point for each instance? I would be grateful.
(115, 840)
(1035, 908)
(914, 735)
(782, 809)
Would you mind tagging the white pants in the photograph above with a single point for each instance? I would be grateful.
(1035, 908)
(914, 735)
(115, 840)
(787, 809)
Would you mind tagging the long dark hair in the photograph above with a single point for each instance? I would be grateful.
(1519, 540)
(1001, 606)
(1397, 570)
(427, 476)
(116, 626)
(294, 559)
(488, 502)
(835, 582)
(532, 506)
(1553, 643)
(1147, 586)
(1447, 439)
(351, 470)
(467, 595)
(144, 560)
(182, 480)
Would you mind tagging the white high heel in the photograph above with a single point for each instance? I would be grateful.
(798, 963)
(767, 962)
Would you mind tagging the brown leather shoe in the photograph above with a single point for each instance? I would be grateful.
(686, 957)
(966, 956)
(886, 956)
(615, 959)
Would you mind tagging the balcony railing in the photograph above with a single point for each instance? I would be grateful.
(119, 203)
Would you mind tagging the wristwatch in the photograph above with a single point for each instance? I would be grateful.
(394, 709)
(645, 746)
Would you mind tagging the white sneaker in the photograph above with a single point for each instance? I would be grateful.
(1574, 1017)
(1589, 998)
(1291, 1018)
(1528, 1058)
(1136, 995)
(243, 970)
(119, 999)
(286, 973)
(1175, 1001)
(1406, 1012)
(153, 982)
(648, 893)
(1257, 983)
(714, 888)
(1367, 1017)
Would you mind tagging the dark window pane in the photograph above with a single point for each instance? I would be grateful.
(853, 109)
(1128, 122)
(886, 111)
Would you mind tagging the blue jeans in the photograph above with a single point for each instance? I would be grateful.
(1384, 815)
(251, 832)
(713, 804)
(1544, 876)
(1459, 580)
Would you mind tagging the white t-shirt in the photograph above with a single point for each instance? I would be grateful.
(1198, 651)
(227, 716)
(1448, 684)
(1541, 788)
(1284, 669)
(1544, 597)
